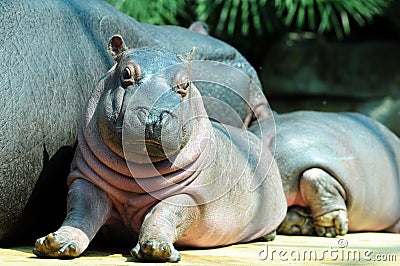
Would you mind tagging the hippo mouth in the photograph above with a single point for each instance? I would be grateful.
(149, 149)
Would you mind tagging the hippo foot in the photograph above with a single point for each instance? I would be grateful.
(331, 224)
(155, 250)
(298, 221)
(271, 236)
(394, 228)
(67, 242)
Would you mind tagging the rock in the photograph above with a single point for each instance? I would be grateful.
(303, 71)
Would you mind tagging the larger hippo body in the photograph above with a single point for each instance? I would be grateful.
(344, 168)
(52, 53)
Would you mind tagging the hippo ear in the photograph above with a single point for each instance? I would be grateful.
(187, 57)
(116, 47)
(199, 27)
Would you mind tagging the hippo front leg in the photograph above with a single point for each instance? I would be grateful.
(88, 209)
(325, 197)
(162, 226)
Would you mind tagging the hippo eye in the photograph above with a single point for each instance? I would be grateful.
(127, 78)
(127, 73)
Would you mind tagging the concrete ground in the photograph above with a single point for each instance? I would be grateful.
(353, 249)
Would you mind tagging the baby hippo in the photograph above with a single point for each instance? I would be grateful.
(149, 157)
(340, 172)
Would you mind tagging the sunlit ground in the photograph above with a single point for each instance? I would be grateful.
(360, 248)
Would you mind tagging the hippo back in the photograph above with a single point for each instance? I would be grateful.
(359, 152)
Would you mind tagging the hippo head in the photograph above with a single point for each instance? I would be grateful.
(149, 105)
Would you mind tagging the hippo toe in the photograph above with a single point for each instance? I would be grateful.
(298, 221)
(67, 242)
(155, 250)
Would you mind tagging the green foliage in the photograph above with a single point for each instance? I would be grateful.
(245, 16)
(153, 11)
(228, 17)
(327, 15)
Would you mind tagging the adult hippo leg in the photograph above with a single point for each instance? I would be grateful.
(325, 199)
(88, 209)
(162, 226)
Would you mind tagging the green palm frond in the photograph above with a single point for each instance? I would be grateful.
(153, 12)
(244, 16)
(328, 15)
(228, 17)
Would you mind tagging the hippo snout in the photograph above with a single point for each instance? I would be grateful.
(153, 121)
(157, 124)
(151, 132)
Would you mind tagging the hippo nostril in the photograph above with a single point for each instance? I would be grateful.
(165, 117)
(143, 115)
(153, 121)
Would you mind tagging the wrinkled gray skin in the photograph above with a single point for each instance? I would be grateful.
(214, 185)
(52, 53)
(340, 172)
